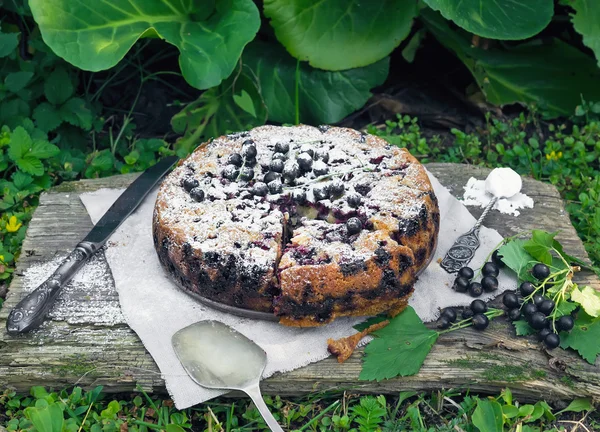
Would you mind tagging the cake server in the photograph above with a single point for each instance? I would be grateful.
(30, 312)
(216, 356)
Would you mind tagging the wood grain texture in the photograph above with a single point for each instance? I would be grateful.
(84, 351)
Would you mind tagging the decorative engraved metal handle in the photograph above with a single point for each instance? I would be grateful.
(30, 312)
(463, 250)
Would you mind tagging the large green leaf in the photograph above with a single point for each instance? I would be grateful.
(96, 34)
(340, 34)
(497, 19)
(324, 97)
(553, 75)
(586, 21)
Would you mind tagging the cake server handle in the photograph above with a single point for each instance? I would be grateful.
(30, 312)
(463, 250)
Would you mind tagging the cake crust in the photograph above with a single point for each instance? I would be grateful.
(344, 227)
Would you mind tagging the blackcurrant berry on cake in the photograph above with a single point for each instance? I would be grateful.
(307, 148)
(480, 321)
(275, 186)
(197, 194)
(305, 162)
(526, 289)
(489, 283)
(552, 341)
(466, 272)
(362, 188)
(320, 193)
(478, 306)
(322, 154)
(354, 225)
(540, 271)
(270, 176)
(291, 171)
(354, 200)
(189, 183)
(231, 172)
(320, 168)
(299, 196)
(282, 147)
(249, 149)
(250, 162)
(246, 173)
(461, 284)
(336, 188)
(279, 156)
(260, 189)
(276, 165)
(235, 159)
(475, 289)
(490, 269)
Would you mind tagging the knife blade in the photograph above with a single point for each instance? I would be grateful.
(30, 312)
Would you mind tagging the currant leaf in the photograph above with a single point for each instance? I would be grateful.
(584, 337)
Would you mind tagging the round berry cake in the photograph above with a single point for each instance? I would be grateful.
(306, 223)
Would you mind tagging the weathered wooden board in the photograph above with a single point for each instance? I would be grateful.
(77, 348)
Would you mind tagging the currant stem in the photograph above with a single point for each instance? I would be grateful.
(491, 314)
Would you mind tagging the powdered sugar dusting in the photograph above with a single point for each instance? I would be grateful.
(476, 195)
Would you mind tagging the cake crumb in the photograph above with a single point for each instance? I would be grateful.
(344, 347)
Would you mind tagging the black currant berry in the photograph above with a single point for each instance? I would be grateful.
(546, 307)
(443, 323)
(354, 225)
(475, 289)
(320, 168)
(489, 283)
(189, 183)
(322, 154)
(336, 188)
(543, 333)
(510, 300)
(275, 186)
(565, 323)
(279, 156)
(260, 189)
(552, 341)
(246, 173)
(235, 159)
(299, 196)
(478, 306)
(276, 165)
(320, 193)
(466, 272)
(270, 176)
(538, 299)
(354, 200)
(305, 162)
(526, 289)
(480, 321)
(282, 147)
(231, 172)
(249, 150)
(467, 313)
(538, 320)
(540, 271)
(307, 148)
(461, 284)
(490, 269)
(291, 171)
(514, 314)
(362, 188)
(497, 259)
(529, 309)
(197, 194)
(449, 314)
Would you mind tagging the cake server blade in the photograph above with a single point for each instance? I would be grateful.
(30, 312)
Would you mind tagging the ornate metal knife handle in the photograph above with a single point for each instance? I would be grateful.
(463, 250)
(30, 312)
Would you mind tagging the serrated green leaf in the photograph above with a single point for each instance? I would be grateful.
(340, 34)
(76, 112)
(20, 143)
(540, 245)
(517, 259)
(16, 81)
(588, 298)
(324, 97)
(487, 417)
(586, 21)
(103, 161)
(47, 117)
(584, 337)
(578, 405)
(58, 86)
(43, 150)
(8, 43)
(523, 328)
(21, 180)
(565, 308)
(209, 39)
(399, 349)
(509, 20)
(31, 165)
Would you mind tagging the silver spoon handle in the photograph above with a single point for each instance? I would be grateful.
(254, 393)
(463, 250)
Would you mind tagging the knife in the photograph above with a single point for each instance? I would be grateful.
(30, 312)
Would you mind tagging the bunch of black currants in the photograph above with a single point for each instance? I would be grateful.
(538, 310)
(489, 282)
(475, 312)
